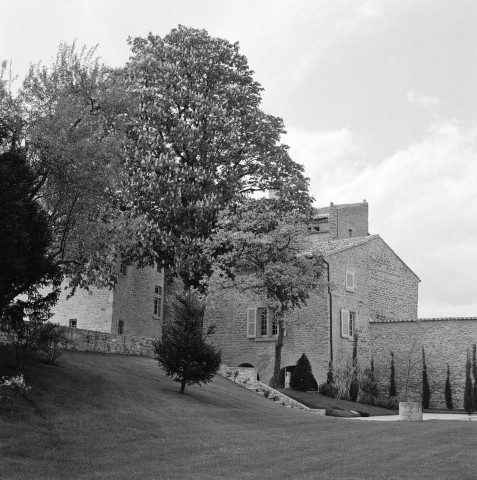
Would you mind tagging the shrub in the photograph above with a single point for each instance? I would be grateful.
(448, 391)
(368, 385)
(390, 403)
(342, 377)
(51, 337)
(302, 378)
(328, 390)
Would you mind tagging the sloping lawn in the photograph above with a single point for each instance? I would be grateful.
(315, 400)
(114, 417)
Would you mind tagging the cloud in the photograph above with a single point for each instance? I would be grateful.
(422, 201)
(422, 100)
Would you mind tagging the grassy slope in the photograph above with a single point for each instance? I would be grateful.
(114, 417)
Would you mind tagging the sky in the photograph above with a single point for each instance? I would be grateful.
(379, 99)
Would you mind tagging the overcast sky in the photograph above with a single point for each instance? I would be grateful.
(379, 99)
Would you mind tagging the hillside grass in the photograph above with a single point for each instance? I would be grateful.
(116, 417)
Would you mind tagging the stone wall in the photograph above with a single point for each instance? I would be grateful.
(91, 341)
(445, 342)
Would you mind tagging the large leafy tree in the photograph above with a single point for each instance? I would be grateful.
(265, 250)
(198, 141)
(71, 131)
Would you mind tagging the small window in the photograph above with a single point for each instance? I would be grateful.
(120, 327)
(157, 302)
(123, 269)
(350, 285)
(73, 323)
(157, 267)
(263, 319)
(347, 324)
(350, 232)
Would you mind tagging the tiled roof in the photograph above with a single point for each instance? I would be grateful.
(329, 247)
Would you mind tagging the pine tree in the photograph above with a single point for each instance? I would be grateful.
(183, 352)
(426, 391)
(302, 376)
(448, 391)
(392, 381)
(468, 391)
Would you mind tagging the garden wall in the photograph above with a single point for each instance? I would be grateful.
(445, 341)
(91, 341)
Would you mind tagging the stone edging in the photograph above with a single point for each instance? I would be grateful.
(268, 392)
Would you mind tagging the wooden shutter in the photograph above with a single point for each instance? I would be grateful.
(345, 323)
(251, 322)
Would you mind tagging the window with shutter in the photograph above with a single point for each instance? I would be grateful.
(344, 323)
(347, 324)
(251, 322)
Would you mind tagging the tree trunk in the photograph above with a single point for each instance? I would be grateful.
(183, 384)
(278, 354)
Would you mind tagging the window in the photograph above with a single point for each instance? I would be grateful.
(261, 323)
(348, 320)
(157, 305)
(73, 323)
(350, 285)
(120, 327)
(123, 269)
(350, 232)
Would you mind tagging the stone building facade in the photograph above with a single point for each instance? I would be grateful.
(365, 282)
(367, 289)
(133, 307)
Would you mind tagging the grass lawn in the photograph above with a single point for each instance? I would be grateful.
(115, 417)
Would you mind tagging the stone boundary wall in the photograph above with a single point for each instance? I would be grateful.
(445, 341)
(92, 341)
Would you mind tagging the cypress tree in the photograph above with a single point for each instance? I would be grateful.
(468, 392)
(392, 381)
(302, 376)
(426, 391)
(474, 370)
(354, 386)
(448, 391)
(329, 376)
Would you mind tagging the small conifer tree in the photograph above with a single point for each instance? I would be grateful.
(474, 371)
(448, 391)
(329, 375)
(183, 352)
(302, 376)
(354, 385)
(468, 391)
(392, 380)
(426, 391)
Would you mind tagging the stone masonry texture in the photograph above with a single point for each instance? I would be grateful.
(445, 342)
